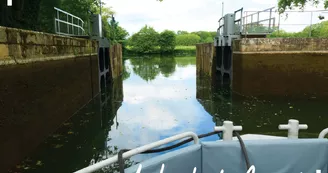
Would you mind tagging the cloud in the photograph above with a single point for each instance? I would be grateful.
(192, 15)
(159, 109)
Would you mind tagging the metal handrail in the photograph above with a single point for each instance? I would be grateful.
(138, 150)
(258, 21)
(239, 20)
(71, 26)
(323, 133)
(220, 26)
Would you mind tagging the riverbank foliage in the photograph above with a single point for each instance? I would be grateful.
(319, 30)
(283, 5)
(149, 41)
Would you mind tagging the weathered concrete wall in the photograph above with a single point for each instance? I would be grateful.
(116, 61)
(44, 80)
(289, 45)
(205, 60)
(294, 67)
(22, 46)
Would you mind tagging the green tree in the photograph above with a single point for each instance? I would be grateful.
(209, 40)
(23, 14)
(144, 41)
(187, 40)
(167, 65)
(182, 32)
(289, 4)
(167, 41)
(115, 32)
(318, 30)
(45, 19)
(203, 35)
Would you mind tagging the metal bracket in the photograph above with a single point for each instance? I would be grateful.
(228, 129)
(293, 127)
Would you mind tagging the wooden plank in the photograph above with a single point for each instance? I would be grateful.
(204, 59)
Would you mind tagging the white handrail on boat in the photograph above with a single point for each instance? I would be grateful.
(138, 150)
(293, 127)
(323, 133)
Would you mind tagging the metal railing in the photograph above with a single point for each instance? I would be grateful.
(68, 24)
(239, 21)
(219, 30)
(259, 22)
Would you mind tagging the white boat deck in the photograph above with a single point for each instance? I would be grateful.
(257, 137)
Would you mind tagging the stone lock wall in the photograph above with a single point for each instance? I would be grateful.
(293, 67)
(22, 46)
(44, 80)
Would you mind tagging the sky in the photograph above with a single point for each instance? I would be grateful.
(195, 15)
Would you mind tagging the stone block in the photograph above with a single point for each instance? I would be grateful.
(3, 35)
(46, 50)
(4, 51)
(13, 36)
(15, 51)
(31, 38)
(48, 39)
(319, 44)
(32, 51)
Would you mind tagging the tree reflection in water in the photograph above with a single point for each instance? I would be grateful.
(82, 140)
(149, 67)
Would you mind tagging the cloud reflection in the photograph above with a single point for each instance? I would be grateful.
(156, 109)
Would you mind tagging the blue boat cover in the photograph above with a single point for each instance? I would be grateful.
(268, 156)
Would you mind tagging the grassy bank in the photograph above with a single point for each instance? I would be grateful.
(186, 48)
(179, 50)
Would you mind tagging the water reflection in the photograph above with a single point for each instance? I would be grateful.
(162, 97)
(159, 101)
(261, 115)
(82, 140)
(149, 67)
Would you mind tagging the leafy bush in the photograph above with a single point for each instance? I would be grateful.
(144, 41)
(167, 41)
(187, 39)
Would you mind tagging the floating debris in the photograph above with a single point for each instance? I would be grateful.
(39, 163)
(70, 132)
(291, 107)
(56, 135)
(67, 124)
(58, 146)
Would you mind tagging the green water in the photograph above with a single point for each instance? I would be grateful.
(159, 97)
